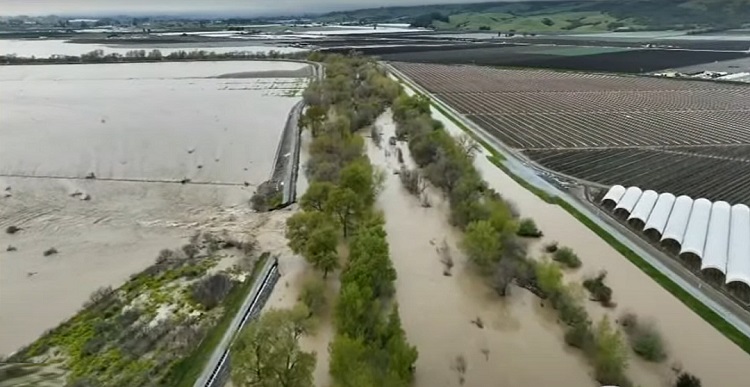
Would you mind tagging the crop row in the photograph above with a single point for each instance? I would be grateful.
(662, 170)
(600, 101)
(587, 130)
(451, 79)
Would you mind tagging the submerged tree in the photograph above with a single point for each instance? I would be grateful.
(267, 352)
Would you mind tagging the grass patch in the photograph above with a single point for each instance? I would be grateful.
(187, 371)
(525, 184)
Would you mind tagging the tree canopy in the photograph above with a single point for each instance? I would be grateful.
(267, 354)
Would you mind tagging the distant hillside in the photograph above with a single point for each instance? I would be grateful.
(557, 16)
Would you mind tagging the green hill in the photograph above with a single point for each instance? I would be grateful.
(558, 16)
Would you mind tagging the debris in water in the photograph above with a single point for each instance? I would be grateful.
(31, 273)
(12, 230)
(76, 193)
(200, 166)
(191, 150)
(90, 176)
(478, 322)
(11, 248)
(86, 197)
(247, 184)
(185, 181)
(486, 353)
(50, 251)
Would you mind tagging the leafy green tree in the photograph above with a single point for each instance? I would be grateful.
(611, 354)
(358, 177)
(356, 311)
(549, 277)
(482, 244)
(321, 251)
(316, 196)
(267, 354)
(345, 206)
(300, 227)
(313, 294)
(369, 262)
(349, 365)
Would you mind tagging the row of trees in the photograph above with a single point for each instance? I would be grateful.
(370, 347)
(491, 228)
(99, 56)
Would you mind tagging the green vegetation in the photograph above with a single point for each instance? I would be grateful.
(370, 347)
(267, 354)
(644, 338)
(561, 16)
(154, 328)
(599, 291)
(567, 257)
(313, 295)
(527, 228)
(687, 380)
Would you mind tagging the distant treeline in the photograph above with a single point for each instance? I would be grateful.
(98, 56)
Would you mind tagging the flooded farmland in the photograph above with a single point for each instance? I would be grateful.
(692, 342)
(109, 164)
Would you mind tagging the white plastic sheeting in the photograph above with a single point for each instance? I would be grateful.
(660, 214)
(678, 219)
(719, 234)
(738, 264)
(715, 253)
(614, 194)
(629, 199)
(644, 206)
(697, 228)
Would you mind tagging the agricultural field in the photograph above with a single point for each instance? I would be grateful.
(684, 137)
(580, 58)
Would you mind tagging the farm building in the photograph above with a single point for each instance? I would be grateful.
(712, 238)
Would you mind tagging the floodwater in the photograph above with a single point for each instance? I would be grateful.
(691, 341)
(520, 344)
(43, 48)
(294, 269)
(140, 129)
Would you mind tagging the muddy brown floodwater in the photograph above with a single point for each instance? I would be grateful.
(691, 341)
(519, 338)
(137, 130)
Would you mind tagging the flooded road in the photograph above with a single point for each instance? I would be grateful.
(691, 341)
(519, 339)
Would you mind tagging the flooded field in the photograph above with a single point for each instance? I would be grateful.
(692, 342)
(92, 158)
(43, 48)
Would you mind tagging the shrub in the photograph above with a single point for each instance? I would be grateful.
(599, 291)
(571, 311)
(550, 247)
(644, 338)
(527, 228)
(647, 343)
(687, 380)
(313, 294)
(210, 291)
(266, 197)
(580, 336)
(567, 257)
